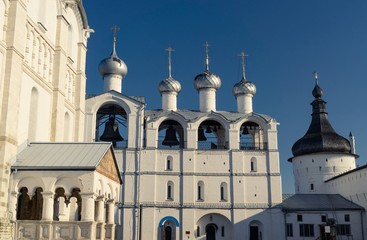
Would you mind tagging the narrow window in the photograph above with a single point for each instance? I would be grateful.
(221, 193)
(347, 218)
(311, 187)
(200, 191)
(289, 230)
(299, 218)
(222, 231)
(198, 231)
(323, 218)
(170, 190)
(168, 164)
(253, 165)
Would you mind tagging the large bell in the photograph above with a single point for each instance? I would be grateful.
(111, 132)
(201, 135)
(170, 139)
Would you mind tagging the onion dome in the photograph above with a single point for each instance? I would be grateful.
(244, 86)
(112, 64)
(320, 137)
(207, 79)
(169, 84)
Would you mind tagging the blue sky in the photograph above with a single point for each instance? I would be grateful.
(286, 41)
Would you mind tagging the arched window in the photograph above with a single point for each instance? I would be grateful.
(223, 191)
(252, 137)
(33, 115)
(30, 208)
(169, 163)
(253, 164)
(200, 191)
(169, 230)
(169, 190)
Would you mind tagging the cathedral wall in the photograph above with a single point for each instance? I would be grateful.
(43, 108)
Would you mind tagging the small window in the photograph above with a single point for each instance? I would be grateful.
(312, 187)
(222, 231)
(299, 218)
(347, 218)
(306, 230)
(323, 218)
(198, 231)
(169, 190)
(169, 161)
(289, 230)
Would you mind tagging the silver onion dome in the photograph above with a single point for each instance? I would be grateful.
(207, 80)
(112, 65)
(244, 87)
(169, 85)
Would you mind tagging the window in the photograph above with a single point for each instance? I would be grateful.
(200, 191)
(299, 218)
(223, 191)
(312, 187)
(289, 230)
(347, 218)
(198, 231)
(222, 231)
(306, 230)
(323, 218)
(253, 165)
(170, 190)
(169, 163)
(343, 229)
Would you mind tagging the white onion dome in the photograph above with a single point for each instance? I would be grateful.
(169, 85)
(244, 87)
(112, 65)
(207, 80)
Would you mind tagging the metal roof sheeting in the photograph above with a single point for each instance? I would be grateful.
(55, 156)
(318, 202)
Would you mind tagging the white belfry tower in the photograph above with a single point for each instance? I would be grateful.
(169, 88)
(244, 91)
(207, 84)
(112, 68)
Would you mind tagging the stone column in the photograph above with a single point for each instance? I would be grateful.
(48, 206)
(13, 199)
(87, 206)
(111, 211)
(100, 209)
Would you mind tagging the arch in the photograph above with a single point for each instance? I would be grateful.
(30, 208)
(166, 218)
(212, 135)
(68, 183)
(170, 135)
(169, 163)
(211, 231)
(252, 136)
(214, 220)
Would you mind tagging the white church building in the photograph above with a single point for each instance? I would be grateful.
(106, 167)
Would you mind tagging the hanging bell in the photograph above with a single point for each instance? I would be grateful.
(245, 130)
(201, 135)
(170, 139)
(208, 129)
(111, 132)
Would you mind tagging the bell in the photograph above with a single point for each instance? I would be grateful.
(201, 135)
(111, 132)
(208, 129)
(245, 131)
(170, 139)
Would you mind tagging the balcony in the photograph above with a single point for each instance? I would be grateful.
(251, 146)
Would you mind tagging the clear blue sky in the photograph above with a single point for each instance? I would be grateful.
(286, 41)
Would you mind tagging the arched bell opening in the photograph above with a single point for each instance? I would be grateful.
(211, 135)
(252, 137)
(111, 125)
(30, 207)
(170, 135)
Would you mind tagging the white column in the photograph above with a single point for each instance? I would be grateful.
(111, 212)
(169, 101)
(207, 100)
(87, 206)
(48, 206)
(100, 209)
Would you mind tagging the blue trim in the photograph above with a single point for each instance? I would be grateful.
(169, 218)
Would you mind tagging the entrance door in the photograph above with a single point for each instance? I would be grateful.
(254, 233)
(210, 232)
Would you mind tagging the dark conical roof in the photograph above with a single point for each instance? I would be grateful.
(320, 137)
